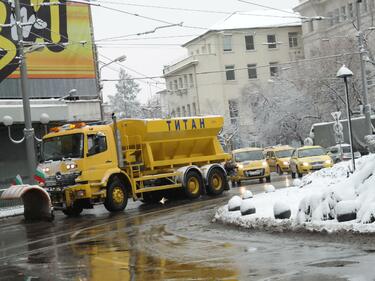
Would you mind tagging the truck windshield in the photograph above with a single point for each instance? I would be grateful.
(311, 152)
(58, 148)
(284, 153)
(248, 156)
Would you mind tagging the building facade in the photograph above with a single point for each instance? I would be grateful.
(245, 50)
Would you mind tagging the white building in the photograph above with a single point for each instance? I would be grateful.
(243, 50)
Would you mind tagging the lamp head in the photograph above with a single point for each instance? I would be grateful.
(121, 59)
(44, 118)
(344, 72)
(7, 120)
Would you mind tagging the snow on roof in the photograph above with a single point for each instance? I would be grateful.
(255, 19)
(258, 19)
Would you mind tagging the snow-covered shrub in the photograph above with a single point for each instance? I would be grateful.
(234, 203)
(247, 207)
(247, 195)
(269, 188)
(346, 210)
(281, 210)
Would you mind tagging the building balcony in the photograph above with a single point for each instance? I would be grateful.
(180, 65)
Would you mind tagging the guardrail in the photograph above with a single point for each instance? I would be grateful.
(9, 203)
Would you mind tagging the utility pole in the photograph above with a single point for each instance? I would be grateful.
(28, 131)
(363, 55)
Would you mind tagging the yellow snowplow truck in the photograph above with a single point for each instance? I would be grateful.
(85, 165)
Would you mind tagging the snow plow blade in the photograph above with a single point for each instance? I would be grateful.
(36, 201)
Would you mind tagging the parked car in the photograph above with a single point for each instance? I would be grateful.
(278, 158)
(309, 158)
(341, 152)
(250, 164)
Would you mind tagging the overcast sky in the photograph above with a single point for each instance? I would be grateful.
(146, 56)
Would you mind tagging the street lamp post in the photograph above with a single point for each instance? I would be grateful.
(119, 59)
(28, 131)
(345, 73)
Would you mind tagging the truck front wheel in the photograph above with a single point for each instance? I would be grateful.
(73, 211)
(117, 197)
(193, 184)
(217, 181)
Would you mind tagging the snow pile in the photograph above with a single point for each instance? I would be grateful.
(327, 200)
(234, 203)
(269, 188)
(10, 212)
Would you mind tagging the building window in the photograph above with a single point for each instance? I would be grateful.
(183, 111)
(364, 6)
(311, 25)
(185, 81)
(204, 51)
(350, 10)
(171, 86)
(252, 71)
(233, 111)
(175, 85)
(249, 41)
(209, 48)
(271, 41)
(188, 110)
(180, 83)
(194, 109)
(191, 80)
(343, 13)
(227, 43)
(293, 39)
(229, 72)
(336, 16)
(274, 69)
(330, 17)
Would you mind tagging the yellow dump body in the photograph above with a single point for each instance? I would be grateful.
(169, 143)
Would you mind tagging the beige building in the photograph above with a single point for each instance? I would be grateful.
(338, 29)
(244, 50)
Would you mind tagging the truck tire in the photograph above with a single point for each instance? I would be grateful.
(268, 179)
(300, 175)
(193, 184)
(73, 211)
(217, 181)
(117, 196)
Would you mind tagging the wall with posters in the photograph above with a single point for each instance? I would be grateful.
(67, 61)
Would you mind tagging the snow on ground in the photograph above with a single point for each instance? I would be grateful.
(11, 211)
(317, 202)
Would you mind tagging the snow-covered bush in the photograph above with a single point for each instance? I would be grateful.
(269, 188)
(247, 195)
(281, 210)
(234, 203)
(247, 207)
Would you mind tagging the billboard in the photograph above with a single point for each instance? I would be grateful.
(63, 28)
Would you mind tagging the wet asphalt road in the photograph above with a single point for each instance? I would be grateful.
(176, 241)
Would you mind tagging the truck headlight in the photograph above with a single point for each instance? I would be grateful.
(305, 164)
(329, 161)
(46, 170)
(265, 164)
(286, 163)
(71, 166)
(239, 166)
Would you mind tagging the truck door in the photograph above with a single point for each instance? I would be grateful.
(98, 156)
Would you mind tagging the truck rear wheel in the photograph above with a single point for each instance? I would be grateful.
(193, 184)
(117, 197)
(217, 181)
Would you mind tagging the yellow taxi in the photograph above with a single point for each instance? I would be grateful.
(307, 159)
(249, 163)
(278, 158)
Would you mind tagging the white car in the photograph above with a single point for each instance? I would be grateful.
(341, 153)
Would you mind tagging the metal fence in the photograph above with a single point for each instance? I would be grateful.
(9, 203)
